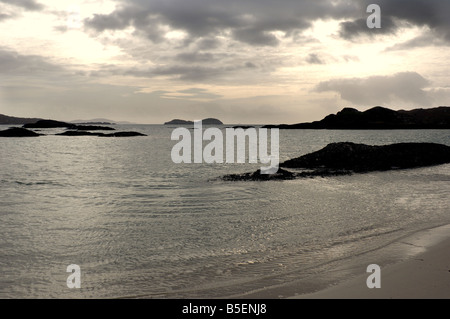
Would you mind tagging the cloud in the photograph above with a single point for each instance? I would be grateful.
(352, 29)
(13, 63)
(314, 58)
(375, 90)
(424, 40)
(4, 16)
(30, 5)
(432, 14)
(188, 94)
(248, 21)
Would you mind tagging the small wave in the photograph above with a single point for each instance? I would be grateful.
(34, 183)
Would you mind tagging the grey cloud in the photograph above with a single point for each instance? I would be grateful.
(189, 94)
(12, 63)
(250, 21)
(313, 58)
(255, 37)
(4, 16)
(208, 44)
(402, 13)
(30, 5)
(375, 90)
(427, 39)
(190, 73)
(253, 21)
(192, 57)
(250, 65)
(352, 29)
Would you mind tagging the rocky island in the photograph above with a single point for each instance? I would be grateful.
(347, 158)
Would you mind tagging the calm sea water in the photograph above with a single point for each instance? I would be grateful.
(139, 225)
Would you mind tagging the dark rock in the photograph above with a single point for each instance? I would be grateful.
(79, 133)
(281, 174)
(366, 158)
(49, 124)
(347, 158)
(18, 132)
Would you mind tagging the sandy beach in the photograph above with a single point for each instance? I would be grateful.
(425, 275)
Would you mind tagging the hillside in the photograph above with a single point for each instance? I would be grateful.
(11, 120)
(379, 118)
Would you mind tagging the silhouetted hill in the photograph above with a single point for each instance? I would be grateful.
(379, 118)
(11, 120)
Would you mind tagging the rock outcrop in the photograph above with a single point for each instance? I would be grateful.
(347, 158)
(50, 124)
(18, 132)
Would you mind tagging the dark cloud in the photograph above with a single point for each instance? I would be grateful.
(427, 39)
(254, 21)
(4, 16)
(376, 90)
(13, 63)
(314, 58)
(402, 13)
(30, 5)
(207, 44)
(351, 29)
(255, 37)
(250, 65)
(249, 21)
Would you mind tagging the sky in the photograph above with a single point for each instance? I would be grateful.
(242, 61)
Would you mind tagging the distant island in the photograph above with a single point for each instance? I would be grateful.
(208, 121)
(378, 118)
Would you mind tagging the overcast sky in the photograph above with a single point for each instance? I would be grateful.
(242, 61)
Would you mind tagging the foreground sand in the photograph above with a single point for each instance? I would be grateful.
(422, 276)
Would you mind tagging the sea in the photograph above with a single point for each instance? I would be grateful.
(140, 226)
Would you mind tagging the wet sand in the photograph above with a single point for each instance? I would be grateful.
(425, 275)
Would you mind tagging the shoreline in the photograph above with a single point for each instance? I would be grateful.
(425, 274)
(416, 265)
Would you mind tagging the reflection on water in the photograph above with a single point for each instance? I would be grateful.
(139, 225)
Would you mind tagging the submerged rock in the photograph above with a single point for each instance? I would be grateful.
(18, 132)
(347, 158)
(281, 174)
